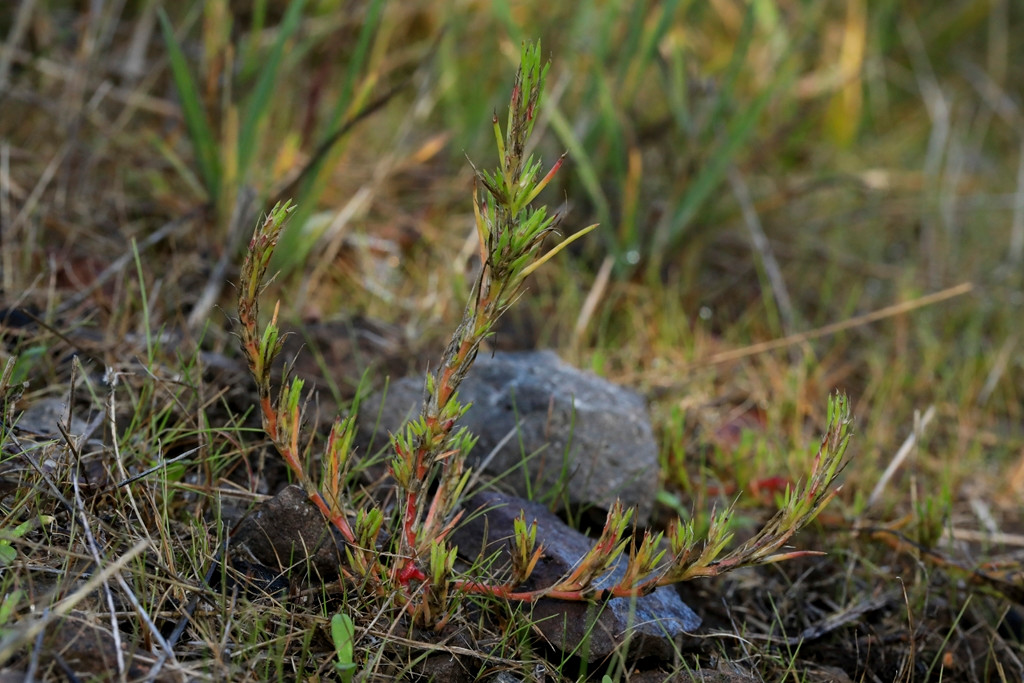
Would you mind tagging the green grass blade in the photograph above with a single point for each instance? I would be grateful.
(583, 164)
(196, 121)
(250, 48)
(294, 245)
(629, 47)
(503, 15)
(256, 108)
(738, 133)
(343, 104)
(630, 76)
(732, 72)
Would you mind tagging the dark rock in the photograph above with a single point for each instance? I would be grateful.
(655, 625)
(819, 673)
(699, 676)
(446, 667)
(286, 531)
(41, 419)
(251, 579)
(572, 429)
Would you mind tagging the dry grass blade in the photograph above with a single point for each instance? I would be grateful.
(826, 330)
(920, 424)
(764, 250)
(23, 635)
(14, 37)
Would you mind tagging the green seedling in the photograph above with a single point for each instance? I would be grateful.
(8, 607)
(7, 552)
(343, 633)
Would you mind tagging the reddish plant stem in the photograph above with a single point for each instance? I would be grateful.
(508, 592)
(497, 590)
(410, 519)
(408, 571)
(337, 519)
(269, 416)
(290, 454)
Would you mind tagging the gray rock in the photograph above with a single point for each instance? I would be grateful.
(551, 426)
(42, 416)
(655, 625)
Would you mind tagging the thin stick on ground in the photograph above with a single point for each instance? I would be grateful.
(763, 248)
(833, 328)
(921, 423)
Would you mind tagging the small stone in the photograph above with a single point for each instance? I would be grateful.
(551, 426)
(656, 625)
(41, 419)
(445, 667)
(286, 532)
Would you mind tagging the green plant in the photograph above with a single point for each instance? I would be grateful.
(920, 198)
(7, 552)
(343, 633)
(7, 609)
(429, 452)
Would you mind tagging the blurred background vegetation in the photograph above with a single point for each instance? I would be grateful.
(760, 169)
